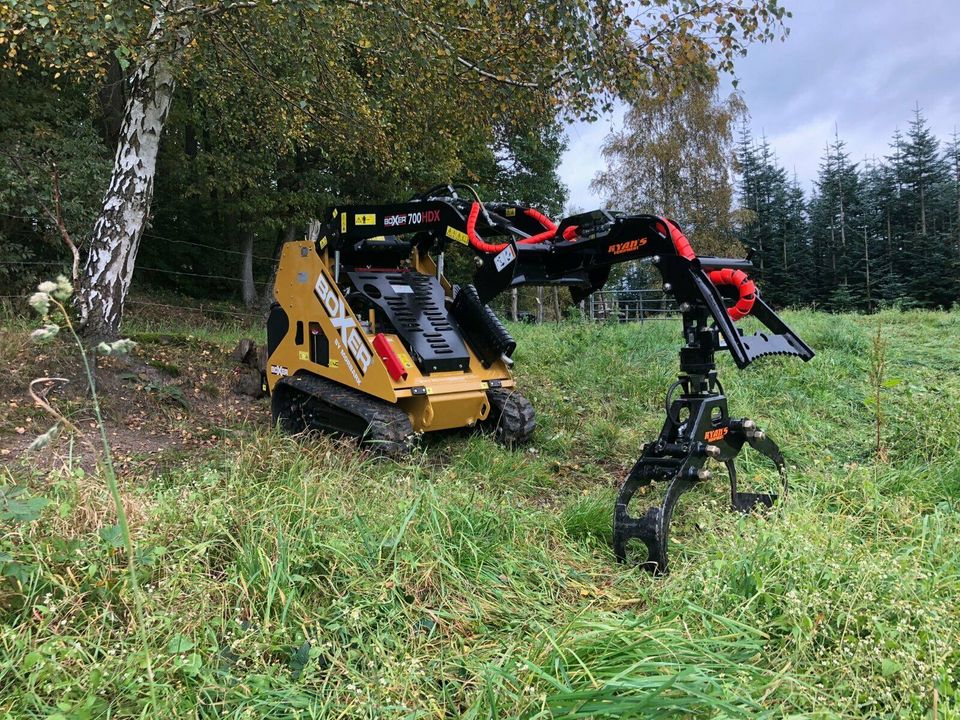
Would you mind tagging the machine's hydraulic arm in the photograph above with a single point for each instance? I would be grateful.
(578, 254)
(516, 245)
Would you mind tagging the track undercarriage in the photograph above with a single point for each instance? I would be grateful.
(306, 403)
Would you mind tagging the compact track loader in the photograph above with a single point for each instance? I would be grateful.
(367, 338)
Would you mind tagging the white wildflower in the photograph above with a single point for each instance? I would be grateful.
(117, 347)
(47, 287)
(64, 288)
(40, 301)
(41, 441)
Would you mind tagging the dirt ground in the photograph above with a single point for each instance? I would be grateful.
(170, 398)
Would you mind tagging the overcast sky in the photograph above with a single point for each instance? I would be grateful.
(859, 65)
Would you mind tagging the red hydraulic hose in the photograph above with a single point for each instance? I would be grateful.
(478, 242)
(680, 242)
(550, 227)
(547, 223)
(746, 287)
(550, 231)
(727, 276)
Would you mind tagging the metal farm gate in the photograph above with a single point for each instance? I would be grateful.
(630, 305)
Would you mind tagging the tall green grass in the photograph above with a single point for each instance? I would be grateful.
(287, 579)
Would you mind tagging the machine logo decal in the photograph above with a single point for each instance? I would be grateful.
(628, 246)
(714, 435)
(413, 218)
(279, 370)
(351, 338)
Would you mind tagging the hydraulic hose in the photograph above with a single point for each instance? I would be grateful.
(745, 286)
(550, 230)
(478, 242)
(727, 276)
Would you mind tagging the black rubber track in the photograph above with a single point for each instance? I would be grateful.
(512, 417)
(307, 402)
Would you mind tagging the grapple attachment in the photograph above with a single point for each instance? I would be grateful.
(679, 457)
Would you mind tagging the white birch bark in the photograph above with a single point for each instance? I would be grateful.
(117, 232)
(246, 270)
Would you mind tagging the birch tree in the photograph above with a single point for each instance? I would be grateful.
(673, 158)
(112, 250)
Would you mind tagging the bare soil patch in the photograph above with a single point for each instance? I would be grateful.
(171, 399)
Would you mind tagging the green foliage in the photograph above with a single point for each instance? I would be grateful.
(18, 506)
(283, 108)
(287, 577)
(672, 158)
(39, 137)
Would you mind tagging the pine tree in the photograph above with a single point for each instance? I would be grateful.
(931, 263)
(797, 259)
(953, 162)
(924, 171)
(836, 217)
(770, 222)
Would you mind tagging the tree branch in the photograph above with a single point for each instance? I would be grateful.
(56, 214)
(57, 217)
(432, 32)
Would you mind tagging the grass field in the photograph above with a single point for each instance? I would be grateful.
(286, 579)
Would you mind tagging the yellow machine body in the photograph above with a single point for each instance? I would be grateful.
(307, 291)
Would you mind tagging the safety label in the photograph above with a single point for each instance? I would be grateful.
(504, 258)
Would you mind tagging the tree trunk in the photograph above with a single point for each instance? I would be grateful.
(923, 212)
(889, 241)
(313, 230)
(956, 183)
(513, 304)
(556, 303)
(126, 204)
(246, 270)
(866, 257)
(539, 304)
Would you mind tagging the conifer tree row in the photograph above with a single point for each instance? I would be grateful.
(872, 234)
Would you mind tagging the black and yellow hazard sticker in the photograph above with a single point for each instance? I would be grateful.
(458, 235)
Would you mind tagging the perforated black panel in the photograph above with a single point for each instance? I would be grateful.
(414, 305)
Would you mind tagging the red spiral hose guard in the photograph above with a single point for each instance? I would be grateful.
(727, 276)
(478, 242)
(746, 287)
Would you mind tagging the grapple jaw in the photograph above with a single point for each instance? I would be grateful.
(678, 458)
(780, 340)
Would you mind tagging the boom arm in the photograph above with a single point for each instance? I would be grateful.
(525, 248)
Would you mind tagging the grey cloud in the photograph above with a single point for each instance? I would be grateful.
(859, 66)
